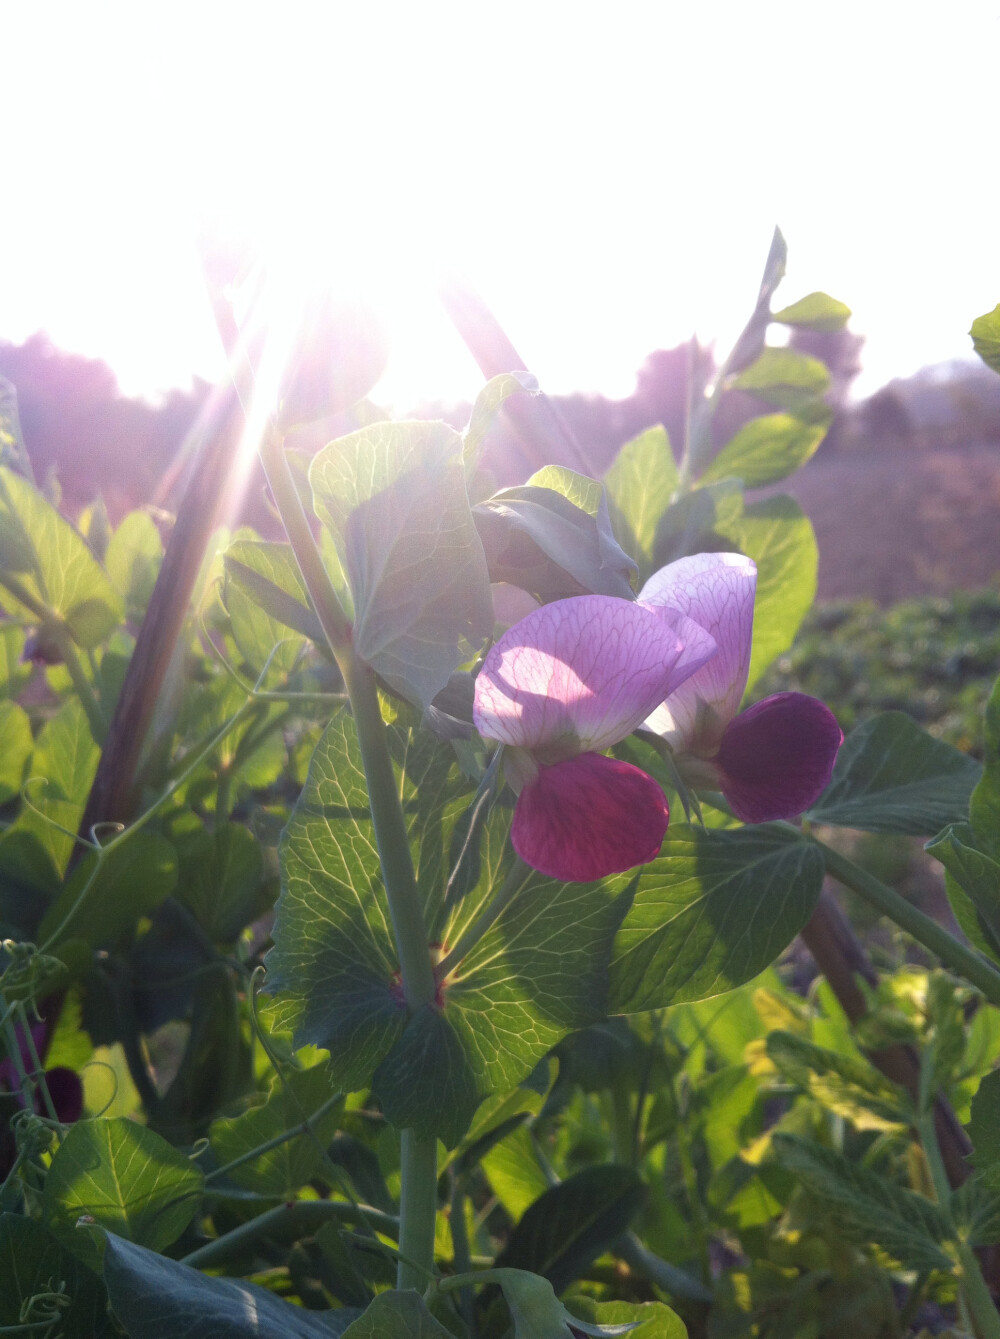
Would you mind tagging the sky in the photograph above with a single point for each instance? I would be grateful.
(608, 177)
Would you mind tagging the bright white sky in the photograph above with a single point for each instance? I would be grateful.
(608, 175)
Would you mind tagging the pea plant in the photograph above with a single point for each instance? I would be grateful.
(407, 933)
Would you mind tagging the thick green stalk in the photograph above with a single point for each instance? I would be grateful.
(289, 1222)
(924, 930)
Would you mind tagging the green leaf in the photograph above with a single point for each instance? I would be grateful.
(973, 882)
(16, 745)
(891, 776)
(765, 450)
(66, 755)
(984, 1128)
(130, 881)
(282, 1170)
(537, 1312)
(488, 404)
(698, 522)
(640, 483)
(816, 311)
(652, 1320)
(514, 1173)
(779, 537)
(985, 334)
(153, 1297)
(125, 1177)
(333, 959)
(975, 1211)
(568, 1227)
(220, 881)
(33, 1262)
(14, 673)
(541, 540)
(397, 1315)
(984, 806)
(132, 560)
(266, 600)
(393, 496)
(712, 912)
(783, 377)
(848, 1086)
(51, 563)
(580, 489)
(908, 1226)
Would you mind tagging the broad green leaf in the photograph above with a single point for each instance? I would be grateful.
(873, 1208)
(488, 404)
(783, 377)
(514, 1172)
(46, 559)
(973, 881)
(16, 745)
(66, 755)
(497, 1117)
(890, 776)
(125, 1177)
(34, 851)
(765, 450)
(133, 559)
(14, 673)
(105, 896)
(640, 483)
(651, 1320)
(843, 1084)
(985, 334)
(397, 1315)
(541, 540)
(537, 1312)
(816, 311)
(984, 806)
(580, 489)
(220, 880)
(154, 1297)
(281, 1171)
(713, 911)
(267, 602)
(568, 1227)
(779, 537)
(975, 1211)
(393, 496)
(984, 1128)
(698, 522)
(334, 963)
(33, 1262)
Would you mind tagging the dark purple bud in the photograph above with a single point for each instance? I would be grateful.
(776, 757)
(66, 1092)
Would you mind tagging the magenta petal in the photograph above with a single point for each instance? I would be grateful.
(66, 1092)
(588, 817)
(578, 675)
(776, 757)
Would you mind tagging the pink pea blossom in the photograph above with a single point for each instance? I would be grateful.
(771, 761)
(561, 686)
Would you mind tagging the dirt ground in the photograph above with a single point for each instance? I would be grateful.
(903, 523)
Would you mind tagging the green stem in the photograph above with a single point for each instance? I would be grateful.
(460, 1248)
(977, 1294)
(924, 930)
(289, 1222)
(512, 885)
(417, 1210)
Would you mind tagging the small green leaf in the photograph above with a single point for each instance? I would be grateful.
(283, 1170)
(14, 673)
(785, 378)
(153, 1297)
(712, 912)
(765, 450)
(780, 539)
(568, 1227)
(985, 334)
(220, 879)
(984, 1128)
(52, 564)
(973, 881)
(640, 483)
(514, 1172)
(33, 1262)
(816, 311)
(66, 755)
(132, 560)
(125, 1177)
(651, 1320)
(846, 1085)
(537, 1312)
(393, 496)
(698, 522)
(267, 601)
(16, 745)
(397, 1315)
(891, 776)
(489, 401)
(873, 1208)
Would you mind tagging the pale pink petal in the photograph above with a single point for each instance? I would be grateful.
(776, 757)
(717, 591)
(589, 817)
(578, 675)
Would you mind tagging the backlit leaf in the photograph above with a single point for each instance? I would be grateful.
(640, 483)
(985, 334)
(765, 450)
(816, 311)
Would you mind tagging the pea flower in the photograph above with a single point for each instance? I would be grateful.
(771, 761)
(568, 681)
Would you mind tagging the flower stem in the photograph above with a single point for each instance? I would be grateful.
(924, 930)
(512, 885)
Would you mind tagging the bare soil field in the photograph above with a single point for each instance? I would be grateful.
(904, 523)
